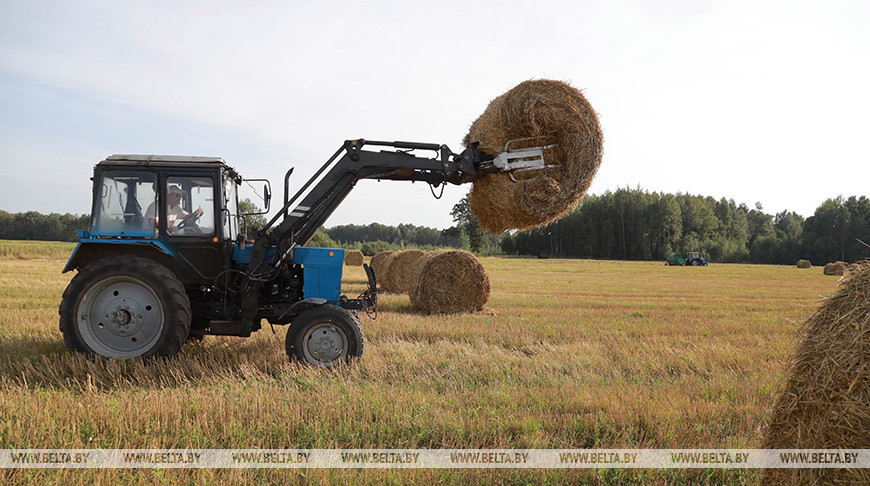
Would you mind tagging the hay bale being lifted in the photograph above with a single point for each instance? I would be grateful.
(354, 258)
(399, 270)
(824, 403)
(536, 113)
(804, 264)
(449, 282)
(378, 263)
(836, 268)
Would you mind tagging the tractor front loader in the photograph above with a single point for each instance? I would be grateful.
(165, 260)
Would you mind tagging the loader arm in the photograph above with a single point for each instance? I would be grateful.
(328, 187)
(340, 173)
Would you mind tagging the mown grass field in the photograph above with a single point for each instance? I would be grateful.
(572, 354)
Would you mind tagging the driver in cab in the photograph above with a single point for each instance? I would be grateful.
(175, 215)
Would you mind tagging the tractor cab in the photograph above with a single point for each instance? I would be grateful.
(182, 210)
(149, 196)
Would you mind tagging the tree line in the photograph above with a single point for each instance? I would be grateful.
(401, 235)
(32, 225)
(634, 224)
(626, 224)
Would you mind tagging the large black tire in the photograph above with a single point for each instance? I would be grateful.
(125, 307)
(325, 336)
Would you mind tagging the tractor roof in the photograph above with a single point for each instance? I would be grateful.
(133, 160)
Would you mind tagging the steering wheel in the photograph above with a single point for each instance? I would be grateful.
(190, 221)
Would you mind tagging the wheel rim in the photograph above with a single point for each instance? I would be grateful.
(120, 317)
(324, 343)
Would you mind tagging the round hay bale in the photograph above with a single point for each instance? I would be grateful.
(378, 262)
(824, 401)
(384, 278)
(804, 264)
(836, 268)
(449, 282)
(415, 270)
(536, 113)
(354, 258)
(399, 270)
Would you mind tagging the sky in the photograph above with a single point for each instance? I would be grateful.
(756, 101)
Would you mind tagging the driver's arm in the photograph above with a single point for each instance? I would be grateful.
(187, 219)
(175, 217)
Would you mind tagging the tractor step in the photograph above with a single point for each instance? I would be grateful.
(227, 328)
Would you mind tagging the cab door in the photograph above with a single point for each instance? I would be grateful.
(189, 221)
(229, 218)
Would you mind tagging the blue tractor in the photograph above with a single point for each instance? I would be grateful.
(693, 258)
(165, 260)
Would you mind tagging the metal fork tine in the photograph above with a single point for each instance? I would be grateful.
(516, 161)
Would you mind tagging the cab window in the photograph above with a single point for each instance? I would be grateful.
(189, 206)
(119, 209)
(231, 214)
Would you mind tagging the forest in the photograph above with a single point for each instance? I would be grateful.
(634, 224)
(626, 224)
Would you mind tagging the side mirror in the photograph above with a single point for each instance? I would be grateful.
(267, 195)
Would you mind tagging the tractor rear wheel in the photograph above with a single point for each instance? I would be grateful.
(325, 336)
(125, 307)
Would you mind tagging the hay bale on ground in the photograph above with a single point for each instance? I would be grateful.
(354, 258)
(384, 276)
(836, 268)
(804, 264)
(824, 403)
(416, 269)
(378, 263)
(399, 270)
(450, 282)
(539, 113)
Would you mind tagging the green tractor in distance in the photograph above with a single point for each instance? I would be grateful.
(693, 258)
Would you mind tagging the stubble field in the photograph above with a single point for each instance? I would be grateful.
(569, 354)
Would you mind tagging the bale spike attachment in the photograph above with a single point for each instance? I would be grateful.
(518, 161)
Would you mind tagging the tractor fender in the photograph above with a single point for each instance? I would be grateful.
(87, 251)
(294, 310)
(310, 302)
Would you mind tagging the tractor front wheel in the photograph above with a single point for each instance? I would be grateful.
(324, 336)
(125, 307)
